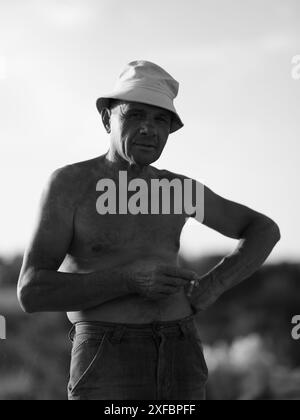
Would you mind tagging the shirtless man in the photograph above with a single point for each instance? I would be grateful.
(117, 275)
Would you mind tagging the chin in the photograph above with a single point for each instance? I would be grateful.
(144, 160)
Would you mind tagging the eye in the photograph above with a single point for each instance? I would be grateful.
(134, 114)
(162, 119)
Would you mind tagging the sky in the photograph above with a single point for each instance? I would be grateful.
(238, 100)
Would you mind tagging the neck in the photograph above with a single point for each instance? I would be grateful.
(117, 163)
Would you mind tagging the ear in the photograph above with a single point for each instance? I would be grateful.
(106, 114)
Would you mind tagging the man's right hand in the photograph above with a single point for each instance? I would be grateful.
(158, 281)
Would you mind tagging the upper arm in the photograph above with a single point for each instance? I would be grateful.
(228, 217)
(218, 213)
(53, 230)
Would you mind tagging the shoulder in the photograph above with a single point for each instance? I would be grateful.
(193, 193)
(76, 172)
(68, 182)
(164, 173)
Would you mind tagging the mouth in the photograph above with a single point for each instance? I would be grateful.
(145, 146)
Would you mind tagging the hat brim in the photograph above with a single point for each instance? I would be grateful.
(145, 96)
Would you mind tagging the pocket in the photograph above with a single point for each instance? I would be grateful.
(82, 338)
(86, 352)
(198, 346)
(199, 350)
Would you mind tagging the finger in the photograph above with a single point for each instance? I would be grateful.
(158, 295)
(166, 280)
(179, 272)
(168, 290)
(176, 282)
(191, 288)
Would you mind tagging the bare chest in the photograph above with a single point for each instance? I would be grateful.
(98, 234)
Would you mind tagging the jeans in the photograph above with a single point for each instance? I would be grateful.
(157, 361)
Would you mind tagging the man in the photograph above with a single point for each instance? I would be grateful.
(133, 307)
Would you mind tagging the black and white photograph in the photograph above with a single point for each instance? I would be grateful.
(149, 227)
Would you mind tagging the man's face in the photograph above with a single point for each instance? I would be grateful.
(139, 132)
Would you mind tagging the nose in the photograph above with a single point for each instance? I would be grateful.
(147, 128)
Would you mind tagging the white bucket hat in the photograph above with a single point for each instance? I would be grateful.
(147, 83)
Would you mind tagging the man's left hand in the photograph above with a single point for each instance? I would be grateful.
(204, 292)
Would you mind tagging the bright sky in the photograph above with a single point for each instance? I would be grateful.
(237, 98)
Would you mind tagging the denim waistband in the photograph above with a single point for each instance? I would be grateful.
(177, 327)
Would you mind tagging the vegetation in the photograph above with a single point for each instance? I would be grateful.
(247, 337)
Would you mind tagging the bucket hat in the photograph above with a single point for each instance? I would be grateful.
(145, 82)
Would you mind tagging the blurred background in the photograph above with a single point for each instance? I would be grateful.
(240, 105)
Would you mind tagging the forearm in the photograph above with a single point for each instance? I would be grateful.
(63, 292)
(257, 243)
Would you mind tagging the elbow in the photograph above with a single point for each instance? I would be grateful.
(268, 227)
(26, 299)
(274, 228)
(27, 294)
(277, 233)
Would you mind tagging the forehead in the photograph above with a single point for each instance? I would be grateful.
(129, 106)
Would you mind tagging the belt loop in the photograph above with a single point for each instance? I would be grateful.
(155, 326)
(184, 329)
(117, 334)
